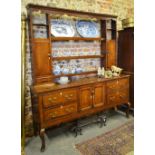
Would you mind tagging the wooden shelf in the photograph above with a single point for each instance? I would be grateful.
(82, 73)
(75, 38)
(40, 25)
(111, 29)
(77, 57)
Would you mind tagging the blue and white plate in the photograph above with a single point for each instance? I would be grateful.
(87, 29)
(62, 28)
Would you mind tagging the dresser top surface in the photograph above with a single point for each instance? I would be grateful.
(46, 87)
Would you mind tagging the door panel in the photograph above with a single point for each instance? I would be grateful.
(41, 61)
(85, 98)
(111, 56)
(99, 95)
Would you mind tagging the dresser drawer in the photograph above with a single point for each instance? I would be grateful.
(112, 86)
(112, 99)
(52, 99)
(59, 97)
(123, 96)
(60, 111)
(119, 97)
(123, 83)
(116, 85)
(69, 95)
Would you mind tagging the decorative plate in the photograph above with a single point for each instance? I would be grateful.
(62, 28)
(87, 29)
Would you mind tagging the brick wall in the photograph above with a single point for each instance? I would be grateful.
(122, 8)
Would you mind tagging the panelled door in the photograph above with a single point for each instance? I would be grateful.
(99, 95)
(86, 98)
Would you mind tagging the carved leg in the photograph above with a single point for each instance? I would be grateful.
(42, 131)
(128, 109)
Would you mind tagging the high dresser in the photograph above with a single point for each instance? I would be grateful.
(86, 93)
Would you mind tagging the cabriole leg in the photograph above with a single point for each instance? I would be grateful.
(42, 131)
(128, 109)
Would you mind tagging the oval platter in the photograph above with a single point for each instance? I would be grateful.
(62, 28)
(87, 29)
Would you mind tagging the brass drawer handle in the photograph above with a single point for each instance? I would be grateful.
(51, 99)
(71, 95)
(54, 98)
(53, 114)
(61, 93)
(69, 98)
(121, 96)
(67, 110)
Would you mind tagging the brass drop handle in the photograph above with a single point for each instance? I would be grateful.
(112, 98)
(67, 110)
(69, 98)
(121, 96)
(50, 99)
(54, 98)
(53, 114)
(61, 93)
(113, 86)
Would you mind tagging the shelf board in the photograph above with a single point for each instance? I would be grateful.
(77, 57)
(111, 29)
(82, 73)
(75, 38)
(40, 25)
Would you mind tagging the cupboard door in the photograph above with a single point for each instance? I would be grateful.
(41, 61)
(111, 56)
(85, 98)
(99, 95)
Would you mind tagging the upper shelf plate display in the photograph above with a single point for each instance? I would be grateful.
(87, 29)
(62, 28)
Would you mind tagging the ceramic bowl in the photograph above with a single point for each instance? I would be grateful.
(63, 82)
(64, 78)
